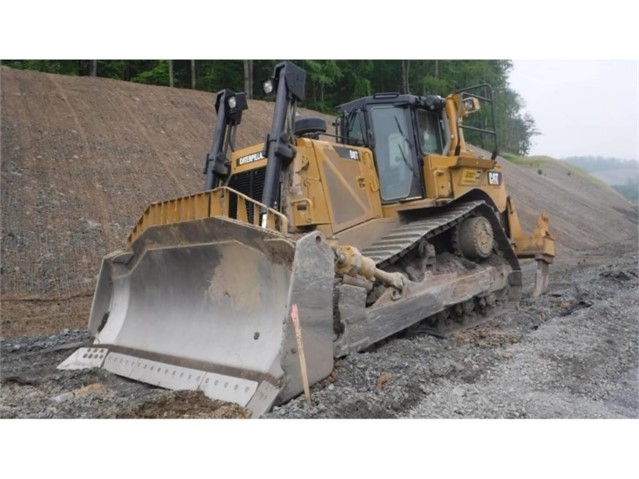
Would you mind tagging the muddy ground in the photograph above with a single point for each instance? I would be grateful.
(571, 354)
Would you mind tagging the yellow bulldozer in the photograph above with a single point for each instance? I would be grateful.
(388, 224)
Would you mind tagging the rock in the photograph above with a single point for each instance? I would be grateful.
(95, 388)
(381, 381)
(62, 397)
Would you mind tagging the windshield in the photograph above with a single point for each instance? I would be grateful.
(393, 151)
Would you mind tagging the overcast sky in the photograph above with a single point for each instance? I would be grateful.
(581, 107)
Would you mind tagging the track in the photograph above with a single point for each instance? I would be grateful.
(395, 250)
(393, 246)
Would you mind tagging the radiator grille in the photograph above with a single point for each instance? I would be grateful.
(250, 183)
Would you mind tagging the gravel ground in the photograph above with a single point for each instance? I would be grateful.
(571, 354)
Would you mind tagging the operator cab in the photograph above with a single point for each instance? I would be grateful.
(400, 130)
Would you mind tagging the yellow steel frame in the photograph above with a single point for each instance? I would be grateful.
(209, 204)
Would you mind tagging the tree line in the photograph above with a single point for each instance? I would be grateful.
(329, 82)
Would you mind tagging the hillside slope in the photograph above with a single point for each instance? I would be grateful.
(82, 157)
(584, 212)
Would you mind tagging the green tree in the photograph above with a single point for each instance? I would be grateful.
(157, 75)
(320, 75)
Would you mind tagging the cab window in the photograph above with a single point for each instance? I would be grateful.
(429, 132)
(393, 152)
(355, 129)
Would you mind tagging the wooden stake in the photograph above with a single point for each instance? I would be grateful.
(300, 351)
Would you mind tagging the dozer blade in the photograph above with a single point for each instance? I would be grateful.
(205, 305)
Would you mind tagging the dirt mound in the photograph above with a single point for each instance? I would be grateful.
(82, 158)
(35, 317)
(185, 405)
